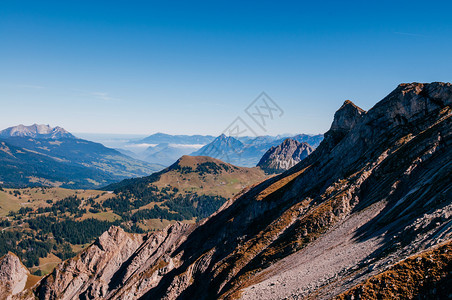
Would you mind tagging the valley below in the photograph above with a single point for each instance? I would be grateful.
(46, 225)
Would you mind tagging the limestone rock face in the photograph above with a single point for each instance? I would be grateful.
(91, 271)
(284, 156)
(346, 117)
(13, 276)
(377, 190)
(116, 258)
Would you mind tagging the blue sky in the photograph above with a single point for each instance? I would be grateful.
(190, 67)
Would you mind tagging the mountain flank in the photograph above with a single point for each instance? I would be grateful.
(47, 225)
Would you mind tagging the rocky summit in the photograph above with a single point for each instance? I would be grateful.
(370, 205)
(284, 156)
(36, 131)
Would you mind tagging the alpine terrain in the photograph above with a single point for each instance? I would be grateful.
(366, 215)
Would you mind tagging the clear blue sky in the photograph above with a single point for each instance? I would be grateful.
(192, 66)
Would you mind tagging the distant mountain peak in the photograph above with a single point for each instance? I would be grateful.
(223, 137)
(226, 138)
(221, 147)
(36, 131)
(284, 156)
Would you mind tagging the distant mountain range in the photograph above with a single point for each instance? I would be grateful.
(166, 154)
(248, 151)
(77, 163)
(41, 155)
(284, 156)
(244, 151)
(161, 148)
(159, 138)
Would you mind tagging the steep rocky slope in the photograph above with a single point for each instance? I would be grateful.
(284, 156)
(377, 190)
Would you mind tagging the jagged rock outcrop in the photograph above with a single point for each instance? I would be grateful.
(115, 259)
(345, 118)
(13, 276)
(284, 156)
(377, 190)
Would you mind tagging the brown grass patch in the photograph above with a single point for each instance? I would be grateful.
(425, 275)
(279, 184)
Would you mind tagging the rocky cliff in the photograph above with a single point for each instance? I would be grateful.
(14, 276)
(117, 259)
(284, 156)
(377, 190)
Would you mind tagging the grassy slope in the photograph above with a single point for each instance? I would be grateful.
(37, 197)
(225, 183)
(8, 203)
